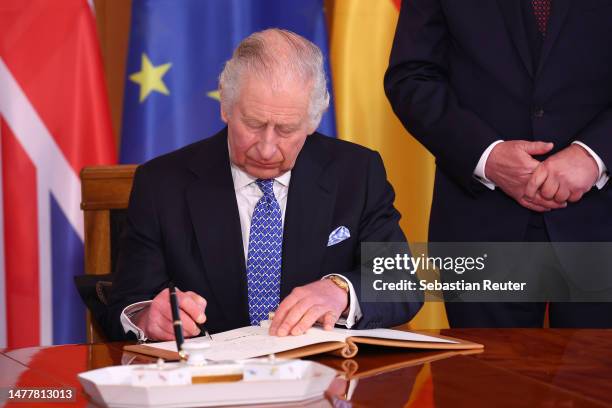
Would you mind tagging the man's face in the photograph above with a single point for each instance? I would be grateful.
(268, 127)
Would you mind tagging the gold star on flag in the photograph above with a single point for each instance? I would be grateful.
(214, 95)
(150, 78)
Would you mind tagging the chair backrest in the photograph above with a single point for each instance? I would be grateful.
(105, 192)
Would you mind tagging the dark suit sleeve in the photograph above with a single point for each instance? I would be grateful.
(417, 85)
(141, 272)
(380, 223)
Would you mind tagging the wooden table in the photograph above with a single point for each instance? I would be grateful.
(518, 368)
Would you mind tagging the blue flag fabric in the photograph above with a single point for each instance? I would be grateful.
(176, 53)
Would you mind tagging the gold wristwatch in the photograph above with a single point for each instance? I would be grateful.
(338, 281)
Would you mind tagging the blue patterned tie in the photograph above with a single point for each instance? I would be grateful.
(264, 259)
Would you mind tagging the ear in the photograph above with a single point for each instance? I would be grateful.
(312, 125)
(311, 129)
(224, 115)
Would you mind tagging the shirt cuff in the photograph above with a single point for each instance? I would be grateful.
(603, 171)
(479, 171)
(126, 319)
(354, 314)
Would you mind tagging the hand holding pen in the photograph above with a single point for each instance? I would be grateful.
(157, 321)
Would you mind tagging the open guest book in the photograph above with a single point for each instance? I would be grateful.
(254, 341)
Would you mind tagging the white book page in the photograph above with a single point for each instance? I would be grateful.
(393, 335)
(254, 341)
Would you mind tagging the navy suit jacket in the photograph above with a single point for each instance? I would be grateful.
(183, 225)
(462, 75)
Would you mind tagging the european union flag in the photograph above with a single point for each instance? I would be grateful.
(177, 51)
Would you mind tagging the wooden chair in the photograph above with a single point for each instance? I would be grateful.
(105, 192)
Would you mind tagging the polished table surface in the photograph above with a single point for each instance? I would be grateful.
(518, 367)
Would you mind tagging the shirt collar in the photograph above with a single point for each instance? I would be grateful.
(242, 178)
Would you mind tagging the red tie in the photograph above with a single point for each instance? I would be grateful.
(541, 9)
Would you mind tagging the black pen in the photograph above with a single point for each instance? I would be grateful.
(203, 330)
(176, 320)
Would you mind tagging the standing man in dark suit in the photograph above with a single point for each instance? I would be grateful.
(514, 100)
(266, 215)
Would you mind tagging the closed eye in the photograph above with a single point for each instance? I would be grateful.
(287, 130)
(255, 125)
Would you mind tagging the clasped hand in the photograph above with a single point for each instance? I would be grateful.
(546, 185)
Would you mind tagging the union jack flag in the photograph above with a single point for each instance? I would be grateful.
(54, 119)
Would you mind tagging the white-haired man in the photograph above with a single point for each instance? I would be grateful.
(267, 215)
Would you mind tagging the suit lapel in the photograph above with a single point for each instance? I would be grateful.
(308, 215)
(214, 212)
(556, 20)
(515, 24)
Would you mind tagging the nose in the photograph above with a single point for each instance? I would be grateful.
(267, 144)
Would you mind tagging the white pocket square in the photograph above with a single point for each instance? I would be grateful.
(338, 235)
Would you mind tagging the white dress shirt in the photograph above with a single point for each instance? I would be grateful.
(247, 196)
(480, 175)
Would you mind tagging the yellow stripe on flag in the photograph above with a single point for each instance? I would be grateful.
(361, 37)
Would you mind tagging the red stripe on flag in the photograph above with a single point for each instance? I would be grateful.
(397, 3)
(20, 243)
(52, 50)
